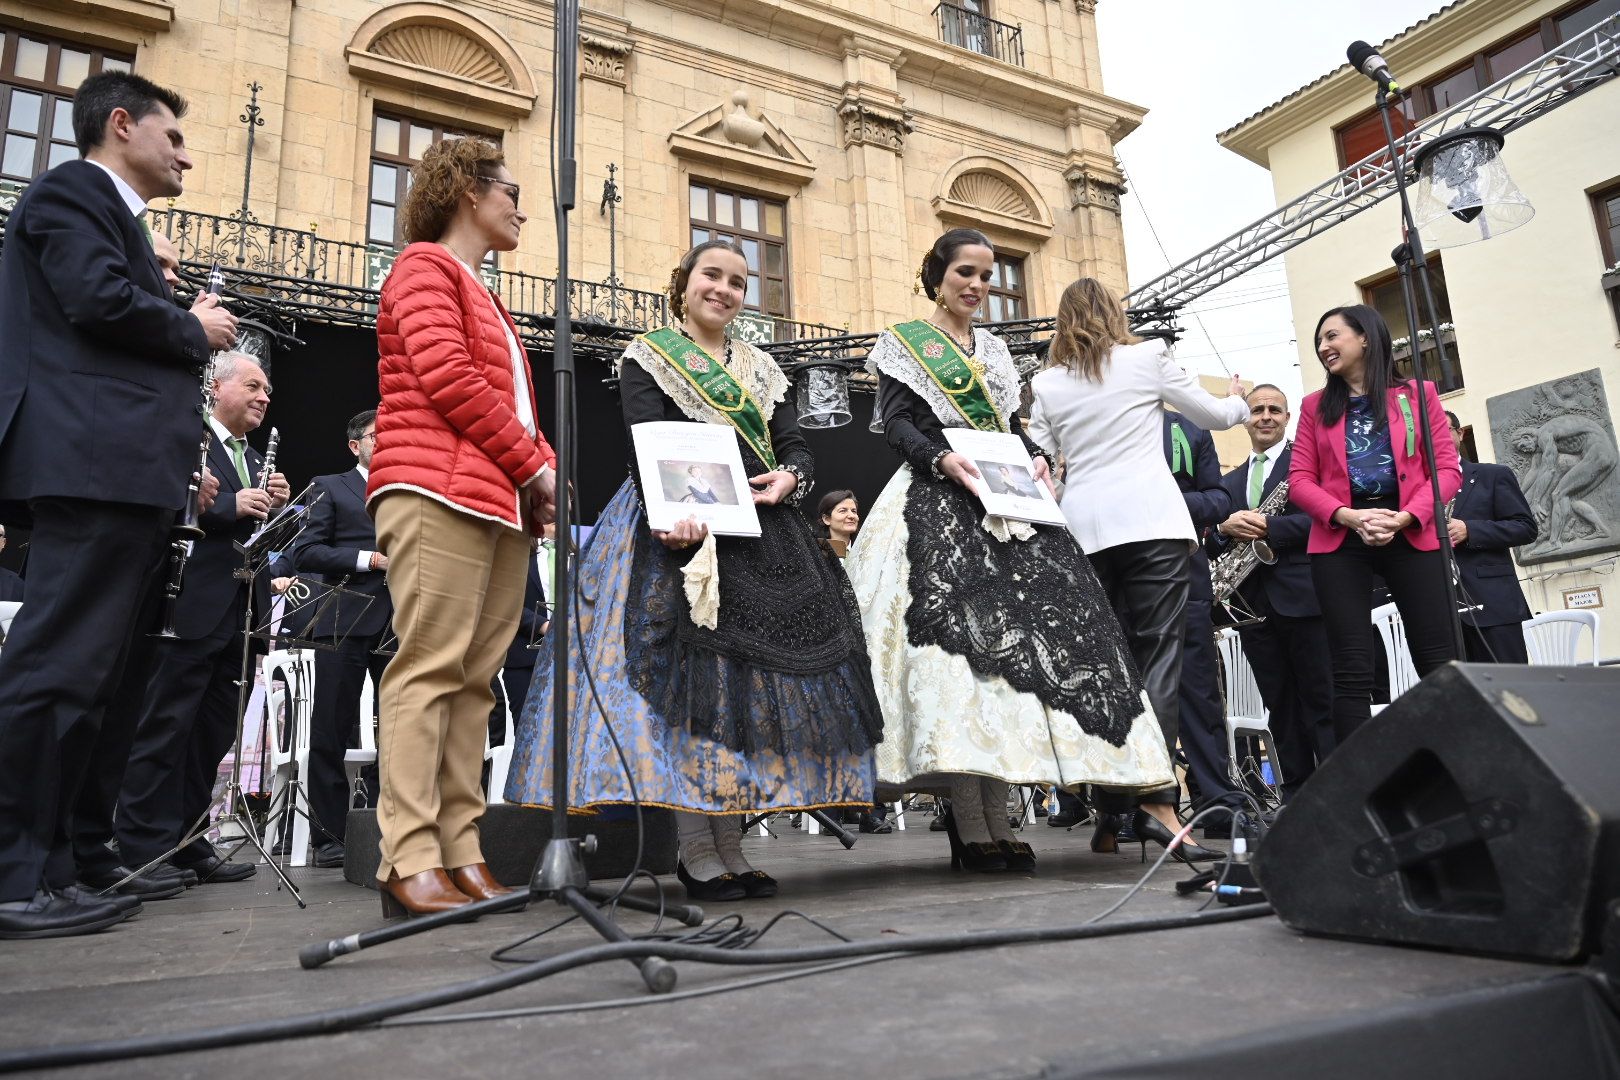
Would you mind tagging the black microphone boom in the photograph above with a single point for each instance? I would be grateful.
(1365, 59)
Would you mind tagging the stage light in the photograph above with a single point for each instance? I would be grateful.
(1464, 192)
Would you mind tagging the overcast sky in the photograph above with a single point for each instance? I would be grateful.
(1199, 68)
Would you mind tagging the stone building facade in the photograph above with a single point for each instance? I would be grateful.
(848, 134)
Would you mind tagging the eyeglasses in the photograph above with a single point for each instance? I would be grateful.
(372, 435)
(511, 188)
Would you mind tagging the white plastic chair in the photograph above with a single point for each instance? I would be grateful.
(289, 706)
(1245, 710)
(356, 758)
(1392, 631)
(499, 758)
(1554, 639)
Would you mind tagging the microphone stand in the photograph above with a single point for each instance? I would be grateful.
(1407, 255)
(560, 874)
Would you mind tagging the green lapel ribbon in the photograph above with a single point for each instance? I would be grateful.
(1180, 450)
(951, 372)
(717, 386)
(1411, 428)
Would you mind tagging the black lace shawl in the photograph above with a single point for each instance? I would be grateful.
(1029, 611)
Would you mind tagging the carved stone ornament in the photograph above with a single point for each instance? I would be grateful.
(867, 123)
(1086, 190)
(604, 58)
(731, 137)
(1558, 438)
(1086, 7)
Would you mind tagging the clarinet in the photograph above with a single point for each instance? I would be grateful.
(268, 468)
(189, 526)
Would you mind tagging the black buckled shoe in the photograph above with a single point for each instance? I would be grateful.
(725, 887)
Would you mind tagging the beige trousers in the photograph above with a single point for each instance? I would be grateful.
(457, 586)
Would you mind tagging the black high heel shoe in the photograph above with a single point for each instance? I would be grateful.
(980, 856)
(1019, 856)
(1148, 827)
(1105, 837)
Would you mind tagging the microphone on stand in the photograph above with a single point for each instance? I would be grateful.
(1365, 59)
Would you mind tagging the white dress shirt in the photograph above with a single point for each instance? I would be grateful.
(136, 204)
(1118, 488)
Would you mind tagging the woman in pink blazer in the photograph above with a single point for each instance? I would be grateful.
(1359, 471)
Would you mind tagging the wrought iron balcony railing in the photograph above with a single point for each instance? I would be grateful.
(968, 29)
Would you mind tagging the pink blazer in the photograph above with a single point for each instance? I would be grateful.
(1319, 478)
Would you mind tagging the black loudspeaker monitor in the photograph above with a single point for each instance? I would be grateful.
(1479, 812)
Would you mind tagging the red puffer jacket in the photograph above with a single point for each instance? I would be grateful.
(447, 425)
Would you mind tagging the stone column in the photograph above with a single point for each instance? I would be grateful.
(873, 124)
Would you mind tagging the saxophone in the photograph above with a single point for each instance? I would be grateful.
(1228, 571)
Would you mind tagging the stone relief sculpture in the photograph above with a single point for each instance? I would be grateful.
(1559, 440)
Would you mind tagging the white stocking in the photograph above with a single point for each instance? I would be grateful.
(994, 793)
(728, 842)
(967, 807)
(698, 854)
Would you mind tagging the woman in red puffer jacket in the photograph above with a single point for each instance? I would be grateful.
(460, 481)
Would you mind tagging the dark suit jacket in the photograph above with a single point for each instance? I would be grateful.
(519, 655)
(1207, 500)
(1285, 588)
(1498, 518)
(11, 586)
(209, 586)
(328, 550)
(100, 371)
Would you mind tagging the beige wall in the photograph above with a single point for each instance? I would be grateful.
(1527, 305)
(862, 208)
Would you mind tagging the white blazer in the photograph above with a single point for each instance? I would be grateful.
(1118, 488)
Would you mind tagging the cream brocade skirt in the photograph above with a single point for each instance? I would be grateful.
(941, 716)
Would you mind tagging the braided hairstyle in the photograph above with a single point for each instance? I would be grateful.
(682, 274)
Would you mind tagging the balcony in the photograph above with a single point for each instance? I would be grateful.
(968, 29)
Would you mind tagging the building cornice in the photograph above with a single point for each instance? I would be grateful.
(112, 22)
(1417, 55)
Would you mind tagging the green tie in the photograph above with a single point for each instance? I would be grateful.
(1257, 479)
(239, 459)
(146, 226)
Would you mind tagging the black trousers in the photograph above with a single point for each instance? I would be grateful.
(187, 725)
(89, 566)
(1495, 644)
(1292, 667)
(1343, 581)
(93, 829)
(1202, 711)
(1147, 583)
(340, 679)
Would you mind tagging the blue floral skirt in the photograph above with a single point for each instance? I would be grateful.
(673, 766)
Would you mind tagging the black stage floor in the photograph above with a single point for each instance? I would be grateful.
(1124, 1006)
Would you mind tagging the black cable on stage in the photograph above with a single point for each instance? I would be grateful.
(334, 1021)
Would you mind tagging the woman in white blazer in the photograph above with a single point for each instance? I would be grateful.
(1099, 406)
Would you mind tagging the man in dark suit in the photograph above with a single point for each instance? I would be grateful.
(339, 547)
(1288, 647)
(11, 586)
(1489, 516)
(1190, 452)
(98, 385)
(189, 718)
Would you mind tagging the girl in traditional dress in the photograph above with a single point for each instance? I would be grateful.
(996, 656)
(733, 670)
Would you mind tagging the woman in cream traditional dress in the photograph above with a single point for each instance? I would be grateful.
(733, 670)
(995, 654)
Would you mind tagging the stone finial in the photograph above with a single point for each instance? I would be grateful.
(740, 128)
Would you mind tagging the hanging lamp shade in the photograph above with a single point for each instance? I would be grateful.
(823, 396)
(1464, 192)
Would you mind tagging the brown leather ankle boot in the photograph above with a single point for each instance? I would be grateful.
(426, 893)
(476, 880)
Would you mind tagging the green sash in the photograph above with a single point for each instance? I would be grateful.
(1180, 451)
(951, 372)
(716, 385)
(1411, 427)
